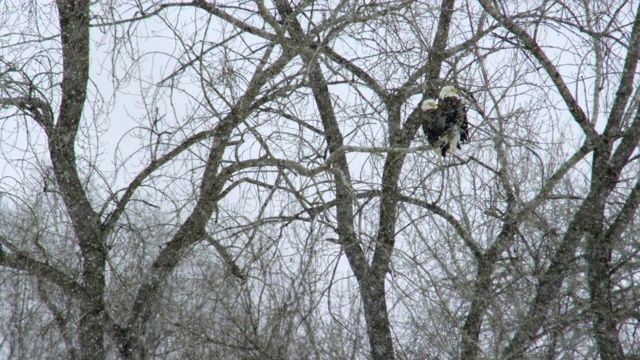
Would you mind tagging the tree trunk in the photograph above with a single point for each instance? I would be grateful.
(377, 318)
(74, 27)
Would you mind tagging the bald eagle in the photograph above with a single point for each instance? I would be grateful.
(445, 124)
(433, 124)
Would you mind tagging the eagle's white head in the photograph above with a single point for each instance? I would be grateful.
(428, 104)
(448, 91)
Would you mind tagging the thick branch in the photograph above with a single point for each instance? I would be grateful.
(532, 46)
(625, 215)
(21, 261)
(45, 272)
(193, 229)
(627, 146)
(212, 9)
(37, 108)
(626, 80)
(464, 234)
(121, 204)
(395, 161)
(357, 71)
(437, 55)
(547, 288)
(553, 180)
(371, 289)
(334, 141)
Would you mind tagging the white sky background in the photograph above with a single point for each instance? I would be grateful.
(125, 102)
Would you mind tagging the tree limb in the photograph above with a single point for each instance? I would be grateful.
(532, 46)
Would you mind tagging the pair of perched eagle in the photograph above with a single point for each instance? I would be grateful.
(445, 123)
